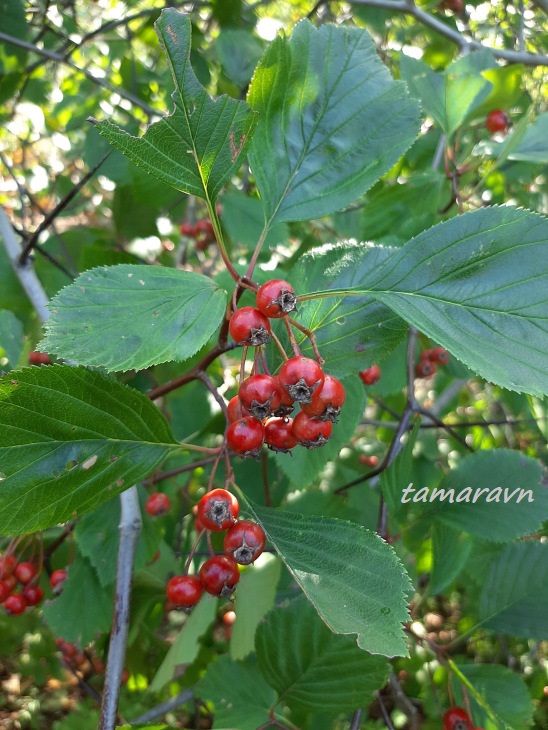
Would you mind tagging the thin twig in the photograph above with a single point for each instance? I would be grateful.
(165, 707)
(356, 720)
(384, 712)
(157, 478)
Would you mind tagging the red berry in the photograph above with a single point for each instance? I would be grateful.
(276, 298)
(158, 504)
(205, 227)
(244, 542)
(188, 229)
(10, 581)
(24, 572)
(425, 368)
(301, 377)
(287, 403)
(15, 604)
(236, 410)
(245, 437)
(229, 617)
(98, 665)
(56, 580)
(497, 121)
(371, 375)
(218, 510)
(327, 402)
(7, 565)
(248, 326)
(39, 358)
(5, 590)
(278, 435)
(456, 6)
(457, 719)
(311, 432)
(184, 591)
(260, 395)
(368, 460)
(219, 576)
(32, 594)
(439, 355)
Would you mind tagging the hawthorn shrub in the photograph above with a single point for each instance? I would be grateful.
(299, 324)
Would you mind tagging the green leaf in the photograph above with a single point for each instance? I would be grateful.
(239, 53)
(303, 466)
(476, 285)
(504, 694)
(514, 599)
(317, 670)
(11, 340)
(255, 596)
(84, 608)
(534, 143)
(352, 333)
(447, 97)
(184, 649)
(241, 697)
(202, 143)
(451, 551)
(398, 474)
(130, 317)
(332, 121)
(71, 440)
(243, 218)
(504, 510)
(352, 577)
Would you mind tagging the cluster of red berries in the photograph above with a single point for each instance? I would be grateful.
(456, 718)
(428, 361)
(202, 232)
(244, 541)
(25, 575)
(497, 121)
(260, 412)
(39, 358)
(371, 375)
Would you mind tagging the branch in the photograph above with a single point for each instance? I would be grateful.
(164, 707)
(438, 26)
(130, 527)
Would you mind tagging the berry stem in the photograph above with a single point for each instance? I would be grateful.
(280, 347)
(220, 240)
(213, 471)
(192, 552)
(294, 345)
(202, 375)
(311, 336)
(242, 366)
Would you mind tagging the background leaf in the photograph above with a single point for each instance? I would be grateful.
(11, 340)
(332, 121)
(451, 550)
(352, 577)
(155, 314)
(316, 668)
(203, 142)
(71, 440)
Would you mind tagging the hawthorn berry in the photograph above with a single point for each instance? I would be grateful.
(425, 368)
(456, 718)
(365, 460)
(219, 576)
(39, 358)
(244, 542)
(276, 298)
(278, 435)
(56, 580)
(235, 410)
(188, 229)
(5, 590)
(245, 437)
(439, 355)
(184, 591)
(15, 604)
(310, 432)
(7, 565)
(260, 395)
(32, 594)
(24, 572)
(10, 581)
(248, 326)
(371, 375)
(301, 377)
(158, 504)
(287, 403)
(497, 121)
(327, 402)
(218, 510)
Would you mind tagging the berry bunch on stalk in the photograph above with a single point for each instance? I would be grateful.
(244, 541)
(262, 412)
(20, 583)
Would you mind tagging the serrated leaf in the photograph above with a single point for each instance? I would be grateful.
(255, 596)
(186, 646)
(353, 578)
(11, 339)
(203, 142)
(71, 440)
(303, 466)
(514, 599)
(130, 317)
(451, 551)
(332, 121)
(352, 332)
(533, 146)
(498, 692)
(317, 670)
(241, 697)
(476, 285)
(504, 476)
(85, 607)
